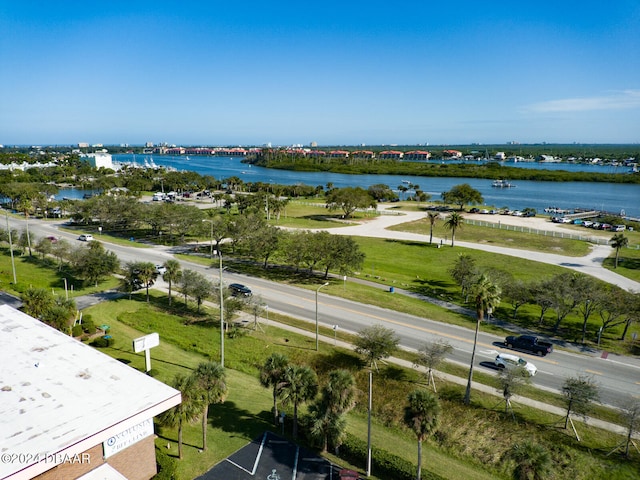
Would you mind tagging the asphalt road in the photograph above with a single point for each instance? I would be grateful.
(618, 377)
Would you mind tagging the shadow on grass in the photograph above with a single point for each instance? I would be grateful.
(230, 418)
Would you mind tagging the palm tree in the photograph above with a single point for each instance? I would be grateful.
(271, 375)
(172, 275)
(432, 216)
(37, 302)
(328, 421)
(187, 411)
(300, 386)
(486, 295)
(453, 222)
(618, 241)
(421, 416)
(533, 461)
(146, 273)
(211, 381)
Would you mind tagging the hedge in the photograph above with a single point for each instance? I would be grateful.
(383, 463)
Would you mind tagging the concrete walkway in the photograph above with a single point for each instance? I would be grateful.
(515, 400)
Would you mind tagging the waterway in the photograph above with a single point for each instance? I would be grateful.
(622, 199)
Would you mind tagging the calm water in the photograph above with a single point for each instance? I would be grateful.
(539, 195)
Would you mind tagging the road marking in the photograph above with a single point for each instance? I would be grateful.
(414, 327)
(592, 371)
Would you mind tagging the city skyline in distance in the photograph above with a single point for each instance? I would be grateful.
(336, 74)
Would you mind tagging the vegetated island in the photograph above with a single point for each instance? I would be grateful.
(488, 170)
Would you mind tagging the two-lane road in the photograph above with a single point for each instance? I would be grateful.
(617, 377)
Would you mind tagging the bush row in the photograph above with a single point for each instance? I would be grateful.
(383, 463)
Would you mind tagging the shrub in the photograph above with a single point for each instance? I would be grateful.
(383, 464)
(103, 342)
(88, 326)
(167, 467)
(77, 331)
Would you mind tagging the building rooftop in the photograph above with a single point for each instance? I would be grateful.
(58, 395)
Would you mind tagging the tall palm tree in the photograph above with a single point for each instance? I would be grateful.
(187, 411)
(210, 378)
(272, 375)
(533, 461)
(328, 421)
(146, 273)
(421, 416)
(486, 296)
(172, 275)
(453, 222)
(432, 216)
(300, 386)
(618, 241)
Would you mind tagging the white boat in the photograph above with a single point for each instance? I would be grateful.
(502, 184)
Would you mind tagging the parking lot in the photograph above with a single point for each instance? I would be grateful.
(271, 457)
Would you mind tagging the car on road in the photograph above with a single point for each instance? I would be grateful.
(161, 269)
(85, 237)
(239, 290)
(529, 343)
(506, 360)
(52, 239)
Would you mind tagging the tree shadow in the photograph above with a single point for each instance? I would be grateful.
(230, 418)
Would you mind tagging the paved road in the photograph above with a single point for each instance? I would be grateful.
(617, 375)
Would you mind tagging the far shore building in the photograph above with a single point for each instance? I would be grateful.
(70, 412)
(363, 154)
(452, 153)
(339, 154)
(99, 159)
(417, 155)
(391, 154)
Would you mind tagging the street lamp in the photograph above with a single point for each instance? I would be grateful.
(219, 253)
(13, 263)
(317, 290)
(211, 222)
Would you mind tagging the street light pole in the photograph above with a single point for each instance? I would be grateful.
(317, 336)
(13, 262)
(221, 313)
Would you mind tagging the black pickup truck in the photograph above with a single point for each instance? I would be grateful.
(529, 343)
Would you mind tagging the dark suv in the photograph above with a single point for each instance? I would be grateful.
(239, 290)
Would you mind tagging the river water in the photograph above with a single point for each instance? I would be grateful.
(621, 199)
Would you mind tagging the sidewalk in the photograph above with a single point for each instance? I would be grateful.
(516, 399)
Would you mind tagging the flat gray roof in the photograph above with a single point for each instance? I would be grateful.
(60, 395)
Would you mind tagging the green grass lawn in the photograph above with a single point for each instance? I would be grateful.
(470, 442)
(501, 237)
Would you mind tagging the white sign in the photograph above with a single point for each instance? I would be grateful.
(145, 343)
(127, 438)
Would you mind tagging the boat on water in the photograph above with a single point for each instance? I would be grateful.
(502, 184)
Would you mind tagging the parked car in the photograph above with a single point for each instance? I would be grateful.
(587, 223)
(239, 290)
(474, 210)
(529, 343)
(506, 360)
(161, 269)
(85, 237)
(619, 228)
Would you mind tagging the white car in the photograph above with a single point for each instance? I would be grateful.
(85, 237)
(161, 269)
(506, 360)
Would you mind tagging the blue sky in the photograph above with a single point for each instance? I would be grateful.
(337, 73)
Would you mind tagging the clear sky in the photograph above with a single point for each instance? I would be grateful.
(348, 72)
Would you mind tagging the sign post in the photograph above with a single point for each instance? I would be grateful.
(145, 344)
